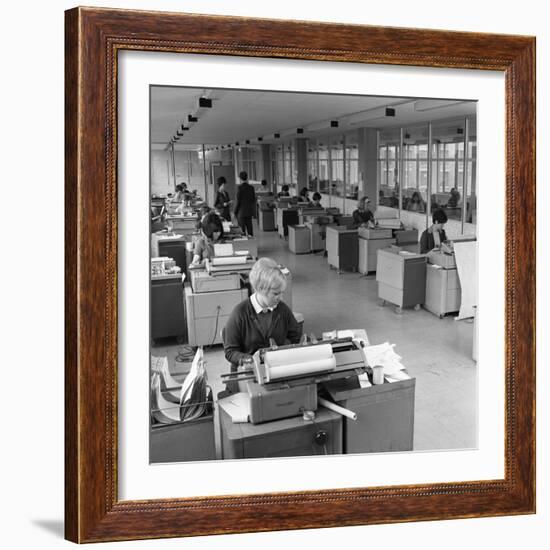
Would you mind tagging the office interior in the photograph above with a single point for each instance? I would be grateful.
(410, 157)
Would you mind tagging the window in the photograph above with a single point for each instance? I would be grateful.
(388, 191)
(352, 166)
(247, 158)
(312, 166)
(337, 163)
(322, 150)
(280, 166)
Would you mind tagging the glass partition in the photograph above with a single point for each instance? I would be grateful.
(388, 189)
(312, 166)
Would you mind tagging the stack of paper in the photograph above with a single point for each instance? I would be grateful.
(384, 355)
(194, 391)
(237, 406)
(162, 410)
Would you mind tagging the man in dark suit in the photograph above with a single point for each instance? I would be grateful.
(245, 204)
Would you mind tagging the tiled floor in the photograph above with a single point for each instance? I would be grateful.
(437, 352)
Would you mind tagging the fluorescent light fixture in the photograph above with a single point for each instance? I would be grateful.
(191, 118)
(430, 104)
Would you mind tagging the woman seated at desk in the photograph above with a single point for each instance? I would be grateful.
(363, 216)
(316, 200)
(284, 192)
(261, 317)
(435, 235)
(416, 204)
(211, 229)
(304, 195)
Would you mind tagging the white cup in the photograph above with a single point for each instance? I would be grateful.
(378, 374)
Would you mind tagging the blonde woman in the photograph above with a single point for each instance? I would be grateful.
(262, 316)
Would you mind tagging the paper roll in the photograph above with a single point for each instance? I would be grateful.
(336, 408)
(228, 260)
(297, 369)
(298, 355)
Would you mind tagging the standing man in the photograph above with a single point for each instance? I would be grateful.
(245, 204)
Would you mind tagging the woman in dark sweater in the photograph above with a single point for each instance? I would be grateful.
(262, 316)
(435, 235)
(363, 216)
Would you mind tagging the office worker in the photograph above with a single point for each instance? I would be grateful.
(316, 200)
(211, 230)
(363, 216)
(304, 195)
(179, 194)
(262, 316)
(223, 202)
(416, 204)
(435, 234)
(284, 192)
(454, 198)
(245, 204)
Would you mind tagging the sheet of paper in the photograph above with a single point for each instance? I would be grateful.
(466, 264)
(237, 406)
(229, 260)
(384, 355)
(223, 249)
(163, 411)
(397, 376)
(364, 381)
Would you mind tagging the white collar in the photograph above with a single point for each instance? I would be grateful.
(256, 305)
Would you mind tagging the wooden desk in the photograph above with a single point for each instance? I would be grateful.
(183, 441)
(401, 278)
(385, 415)
(288, 437)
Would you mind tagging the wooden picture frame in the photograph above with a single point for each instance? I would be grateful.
(93, 39)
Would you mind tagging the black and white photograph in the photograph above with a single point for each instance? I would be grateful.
(313, 274)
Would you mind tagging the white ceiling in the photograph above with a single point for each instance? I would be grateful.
(238, 115)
